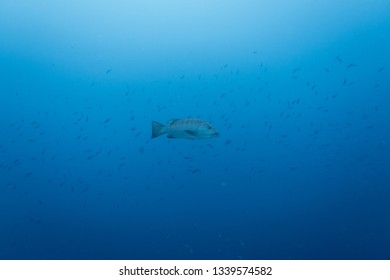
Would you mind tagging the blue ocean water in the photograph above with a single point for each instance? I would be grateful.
(299, 91)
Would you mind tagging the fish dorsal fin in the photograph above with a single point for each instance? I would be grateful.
(192, 132)
(172, 121)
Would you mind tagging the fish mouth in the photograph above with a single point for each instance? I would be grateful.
(215, 134)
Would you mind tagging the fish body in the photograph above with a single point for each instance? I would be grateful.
(185, 128)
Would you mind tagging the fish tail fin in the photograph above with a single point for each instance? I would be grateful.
(157, 129)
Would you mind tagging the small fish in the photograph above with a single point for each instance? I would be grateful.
(185, 128)
(380, 69)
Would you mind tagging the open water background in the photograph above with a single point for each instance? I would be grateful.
(299, 90)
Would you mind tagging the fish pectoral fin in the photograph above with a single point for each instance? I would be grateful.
(192, 132)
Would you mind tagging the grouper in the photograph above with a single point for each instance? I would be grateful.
(185, 128)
